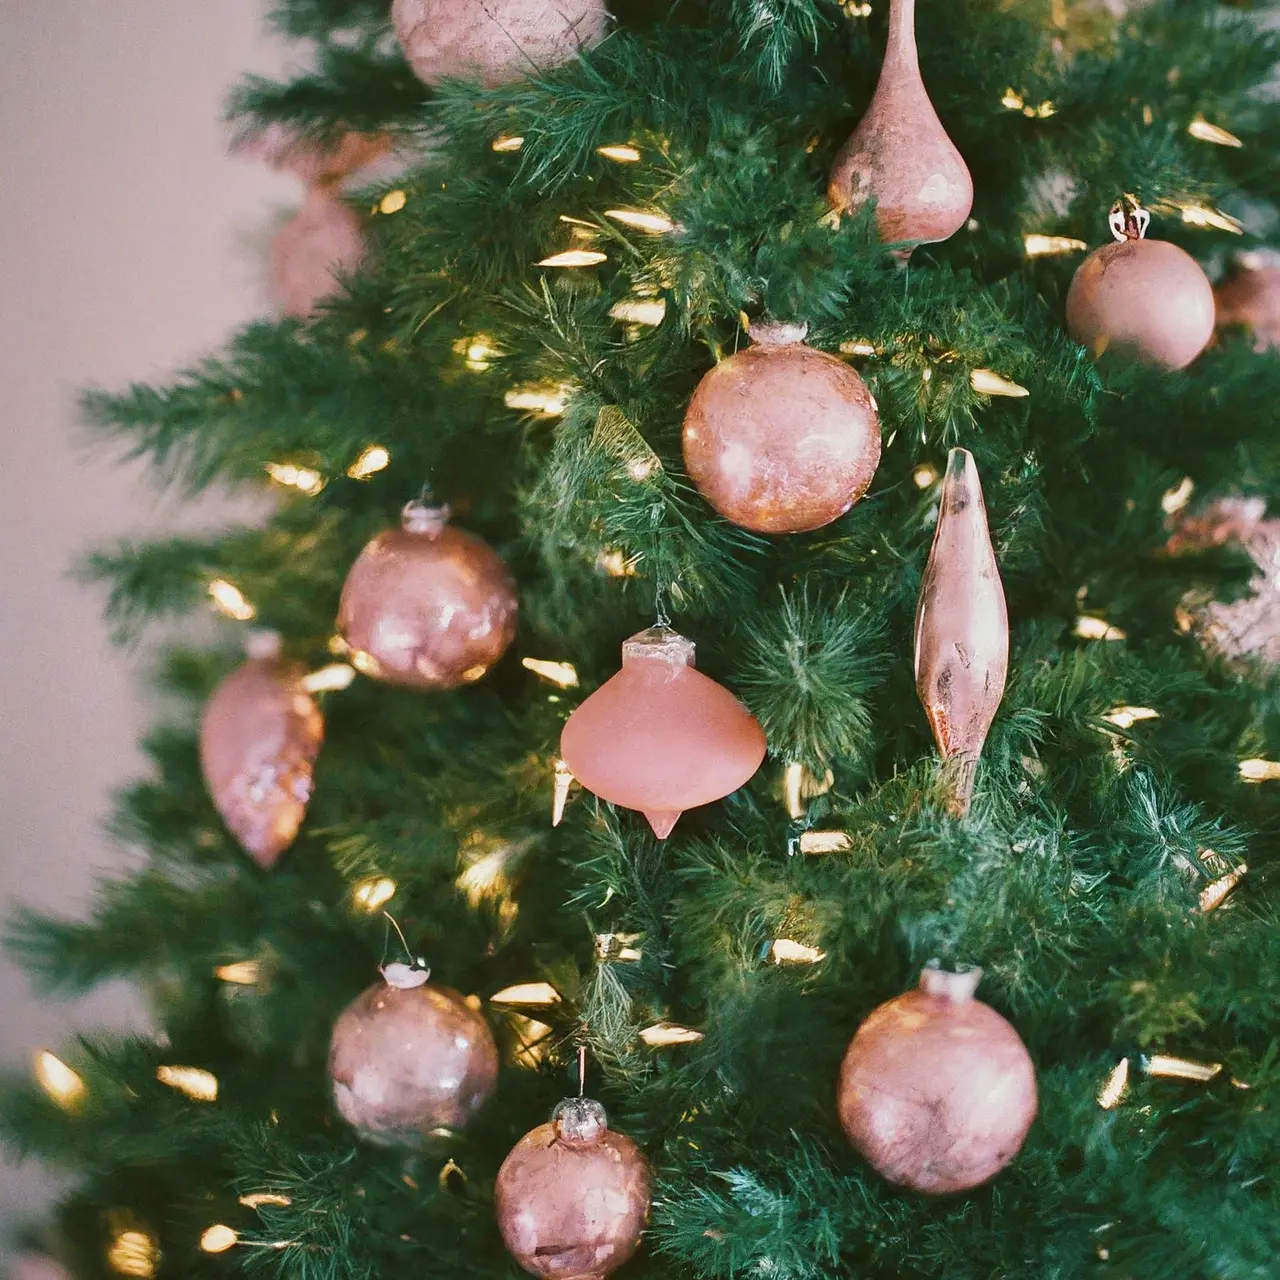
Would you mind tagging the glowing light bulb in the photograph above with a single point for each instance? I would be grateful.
(1173, 500)
(133, 1253)
(1090, 628)
(657, 223)
(228, 601)
(243, 973)
(649, 311)
(1199, 215)
(574, 258)
(58, 1080)
(787, 951)
(527, 993)
(1127, 717)
(1038, 246)
(663, 1034)
(507, 143)
(1200, 128)
(196, 1083)
(337, 675)
(373, 459)
(393, 202)
(924, 476)
(259, 1198)
(218, 1238)
(305, 479)
(621, 153)
(369, 895)
(1112, 1092)
(1259, 770)
(988, 383)
(564, 675)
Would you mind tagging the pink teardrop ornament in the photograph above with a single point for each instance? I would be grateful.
(659, 736)
(900, 155)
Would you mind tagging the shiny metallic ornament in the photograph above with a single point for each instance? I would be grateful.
(962, 629)
(1139, 299)
(494, 41)
(313, 252)
(259, 737)
(900, 155)
(407, 1059)
(428, 606)
(660, 736)
(780, 437)
(1250, 299)
(572, 1198)
(937, 1090)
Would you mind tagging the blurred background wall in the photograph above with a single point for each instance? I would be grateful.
(129, 244)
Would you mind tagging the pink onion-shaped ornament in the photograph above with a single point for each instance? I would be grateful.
(1250, 299)
(900, 155)
(572, 1198)
(660, 736)
(937, 1090)
(407, 1058)
(428, 605)
(259, 737)
(313, 252)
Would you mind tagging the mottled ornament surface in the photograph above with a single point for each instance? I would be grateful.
(900, 155)
(962, 628)
(259, 737)
(1250, 299)
(313, 252)
(660, 736)
(937, 1090)
(405, 1061)
(428, 605)
(572, 1197)
(1138, 299)
(781, 438)
(494, 41)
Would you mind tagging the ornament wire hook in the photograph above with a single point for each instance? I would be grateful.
(417, 962)
(1128, 220)
(582, 1070)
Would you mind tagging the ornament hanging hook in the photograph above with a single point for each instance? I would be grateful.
(417, 962)
(582, 1070)
(1128, 220)
(661, 617)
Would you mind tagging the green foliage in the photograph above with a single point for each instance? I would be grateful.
(1076, 880)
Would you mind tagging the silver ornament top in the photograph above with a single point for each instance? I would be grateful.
(580, 1121)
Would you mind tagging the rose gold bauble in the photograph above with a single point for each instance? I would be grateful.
(316, 163)
(937, 1091)
(312, 253)
(494, 41)
(962, 629)
(660, 736)
(900, 155)
(1144, 300)
(407, 1059)
(427, 605)
(573, 1196)
(1250, 299)
(35, 1266)
(781, 438)
(259, 736)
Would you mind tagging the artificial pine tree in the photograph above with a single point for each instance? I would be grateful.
(566, 254)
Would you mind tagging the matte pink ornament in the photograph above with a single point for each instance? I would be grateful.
(1250, 299)
(962, 628)
(1144, 300)
(900, 155)
(937, 1090)
(573, 1196)
(660, 736)
(317, 163)
(407, 1058)
(494, 41)
(427, 605)
(780, 437)
(313, 252)
(259, 737)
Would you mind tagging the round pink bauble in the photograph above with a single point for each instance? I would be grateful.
(313, 252)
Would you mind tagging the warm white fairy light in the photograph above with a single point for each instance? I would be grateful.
(1213, 895)
(1126, 717)
(1038, 246)
(858, 348)
(133, 1253)
(1199, 215)
(622, 153)
(531, 1040)
(1257, 770)
(545, 398)
(1200, 128)
(852, 9)
(1112, 1092)
(58, 1080)
(641, 219)
(1014, 101)
(479, 352)
(814, 842)
(564, 675)
(393, 201)
(242, 973)
(617, 564)
(640, 469)
(561, 783)
(486, 878)
(1090, 628)
(508, 142)
(228, 600)
(257, 1199)
(218, 1238)
(618, 947)
(305, 479)
(924, 476)
(1173, 500)
(574, 258)
(649, 311)
(530, 994)
(372, 459)
(663, 1034)
(1165, 1065)
(337, 675)
(989, 383)
(371, 894)
(198, 1085)
(788, 951)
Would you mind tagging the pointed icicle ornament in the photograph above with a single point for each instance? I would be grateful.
(962, 628)
(660, 736)
(900, 155)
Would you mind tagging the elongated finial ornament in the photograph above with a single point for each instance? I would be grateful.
(962, 629)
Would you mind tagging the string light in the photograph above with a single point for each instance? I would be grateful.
(1213, 895)
(1259, 770)
(479, 352)
(1199, 215)
(337, 675)
(527, 993)
(657, 223)
(305, 479)
(133, 1253)
(617, 564)
(197, 1084)
(1127, 717)
(218, 1238)
(799, 784)
(532, 1041)
(858, 348)
(228, 601)
(1038, 246)
(259, 1198)
(1015, 102)
(1206, 132)
(621, 153)
(373, 459)
(1173, 500)
(393, 202)
(1117, 1084)
(58, 1080)
(815, 842)
(787, 951)
(649, 311)
(371, 894)
(924, 476)
(1165, 1065)
(507, 143)
(988, 383)
(613, 948)
(562, 781)
(243, 973)
(574, 258)
(545, 398)
(564, 675)
(852, 9)
(1090, 628)
(663, 1034)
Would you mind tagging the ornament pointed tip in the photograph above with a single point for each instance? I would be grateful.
(662, 821)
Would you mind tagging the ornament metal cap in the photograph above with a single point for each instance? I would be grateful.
(261, 644)
(957, 985)
(580, 1122)
(422, 518)
(777, 333)
(659, 643)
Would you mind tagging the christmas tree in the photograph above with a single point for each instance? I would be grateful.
(655, 356)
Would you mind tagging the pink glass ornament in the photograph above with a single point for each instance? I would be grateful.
(311, 254)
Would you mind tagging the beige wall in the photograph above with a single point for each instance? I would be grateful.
(126, 247)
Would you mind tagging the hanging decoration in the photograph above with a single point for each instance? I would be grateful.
(314, 252)
(780, 437)
(1249, 298)
(659, 736)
